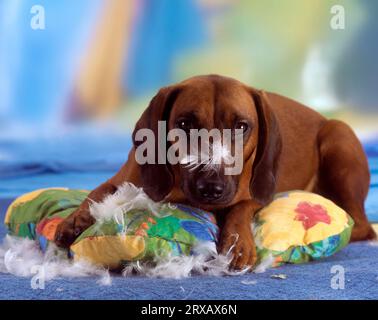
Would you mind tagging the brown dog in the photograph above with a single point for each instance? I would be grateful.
(287, 146)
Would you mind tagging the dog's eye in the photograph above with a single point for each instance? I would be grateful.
(242, 125)
(185, 124)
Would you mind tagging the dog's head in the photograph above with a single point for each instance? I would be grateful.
(213, 102)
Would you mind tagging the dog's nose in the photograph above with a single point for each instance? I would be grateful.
(210, 190)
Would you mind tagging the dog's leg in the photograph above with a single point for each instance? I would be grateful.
(81, 219)
(70, 228)
(344, 174)
(236, 234)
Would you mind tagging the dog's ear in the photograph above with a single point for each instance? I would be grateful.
(264, 172)
(158, 178)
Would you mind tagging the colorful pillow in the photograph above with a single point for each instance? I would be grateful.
(296, 227)
(300, 226)
(138, 235)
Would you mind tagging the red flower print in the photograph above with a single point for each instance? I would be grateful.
(47, 227)
(141, 232)
(149, 219)
(144, 225)
(311, 214)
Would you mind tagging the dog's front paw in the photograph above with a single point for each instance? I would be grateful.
(242, 247)
(70, 228)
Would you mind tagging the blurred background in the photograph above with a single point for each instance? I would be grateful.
(75, 75)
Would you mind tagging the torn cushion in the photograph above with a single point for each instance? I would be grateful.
(133, 232)
(296, 227)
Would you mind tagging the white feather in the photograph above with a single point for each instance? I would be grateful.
(19, 256)
(206, 261)
(210, 157)
(126, 198)
(264, 264)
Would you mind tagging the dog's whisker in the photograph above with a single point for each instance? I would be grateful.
(211, 158)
